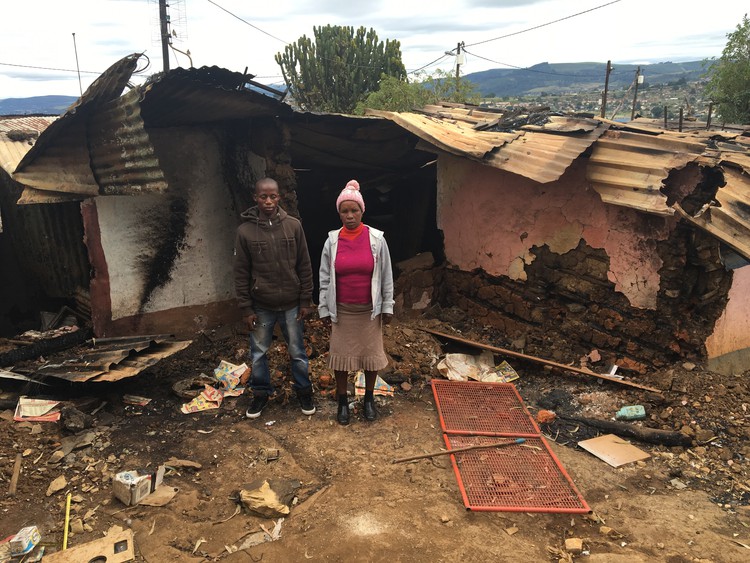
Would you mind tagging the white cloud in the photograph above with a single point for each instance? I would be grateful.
(39, 33)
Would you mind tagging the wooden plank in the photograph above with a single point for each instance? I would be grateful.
(504, 351)
(14, 478)
(117, 547)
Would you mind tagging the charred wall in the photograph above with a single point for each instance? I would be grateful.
(569, 304)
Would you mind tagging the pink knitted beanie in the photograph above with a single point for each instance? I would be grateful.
(351, 193)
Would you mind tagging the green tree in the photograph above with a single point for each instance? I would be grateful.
(397, 94)
(339, 68)
(729, 82)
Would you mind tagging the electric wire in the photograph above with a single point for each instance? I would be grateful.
(440, 58)
(49, 68)
(527, 69)
(544, 24)
(247, 22)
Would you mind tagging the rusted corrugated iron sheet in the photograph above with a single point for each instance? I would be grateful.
(540, 151)
(59, 161)
(49, 243)
(111, 359)
(12, 152)
(730, 220)
(203, 95)
(453, 136)
(544, 156)
(122, 156)
(629, 168)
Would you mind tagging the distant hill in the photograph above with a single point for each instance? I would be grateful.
(558, 78)
(46, 105)
(576, 77)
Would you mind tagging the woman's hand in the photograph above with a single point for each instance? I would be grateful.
(387, 318)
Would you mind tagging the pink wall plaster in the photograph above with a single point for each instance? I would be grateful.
(492, 219)
(732, 330)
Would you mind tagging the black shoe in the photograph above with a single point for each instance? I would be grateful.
(306, 402)
(256, 407)
(371, 412)
(342, 416)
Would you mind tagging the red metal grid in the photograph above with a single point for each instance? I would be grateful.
(490, 409)
(524, 477)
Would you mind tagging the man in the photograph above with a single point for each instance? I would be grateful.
(274, 283)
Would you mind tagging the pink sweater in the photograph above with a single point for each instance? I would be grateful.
(354, 267)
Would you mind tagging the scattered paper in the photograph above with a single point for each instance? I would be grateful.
(135, 400)
(160, 497)
(381, 387)
(209, 398)
(36, 410)
(463, 367)
(228, 377)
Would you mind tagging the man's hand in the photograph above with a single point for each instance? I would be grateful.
(251, 321)
(305, 312)
(387, 318)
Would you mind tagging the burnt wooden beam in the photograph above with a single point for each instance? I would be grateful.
(506, 352)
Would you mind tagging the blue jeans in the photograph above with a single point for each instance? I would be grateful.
(260, 342)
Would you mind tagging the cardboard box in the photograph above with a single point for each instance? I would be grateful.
(132, 486)
(25, 540)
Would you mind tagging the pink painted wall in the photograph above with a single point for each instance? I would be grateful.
(732, 331)
(491, 219)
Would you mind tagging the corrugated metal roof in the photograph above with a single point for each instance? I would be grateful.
(730, 220)
(68, 132)
(101, 145)
(541, 150)
(11, 152)
(629, 168)
(111, 359)
(122, 156)
(451, 135)
(203, 95)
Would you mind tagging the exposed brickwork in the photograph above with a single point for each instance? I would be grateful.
(568, 299)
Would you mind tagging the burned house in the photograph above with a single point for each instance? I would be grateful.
(619, 237)
(146, 189)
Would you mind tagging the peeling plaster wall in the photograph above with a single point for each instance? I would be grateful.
(491, 220)
(201, 272)
(729, 345)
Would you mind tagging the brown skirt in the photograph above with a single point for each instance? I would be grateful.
(356, 340)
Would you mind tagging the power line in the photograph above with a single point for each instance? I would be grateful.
(440, 58)
(527, 69)
(248, 23)
(49, 68)
(541, 25)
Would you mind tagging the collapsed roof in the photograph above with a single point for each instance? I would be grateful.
(101, 145)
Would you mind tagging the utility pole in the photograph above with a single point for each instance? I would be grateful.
(635, 94)
(606, 89)
(164, 21)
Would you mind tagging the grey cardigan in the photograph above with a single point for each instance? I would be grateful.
(382, 276)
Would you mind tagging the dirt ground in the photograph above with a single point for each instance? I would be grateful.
(353, 503)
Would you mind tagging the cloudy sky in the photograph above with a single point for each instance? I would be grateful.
(39, 33)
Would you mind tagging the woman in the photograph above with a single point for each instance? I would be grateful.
(356, 292)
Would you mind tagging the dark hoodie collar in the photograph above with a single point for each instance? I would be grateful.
(253, 214)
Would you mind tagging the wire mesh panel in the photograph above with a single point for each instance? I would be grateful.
(513, 478)
(472, 407)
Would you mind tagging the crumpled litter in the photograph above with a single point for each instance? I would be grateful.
(381, 387)
(462, 367)
(228, 377)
